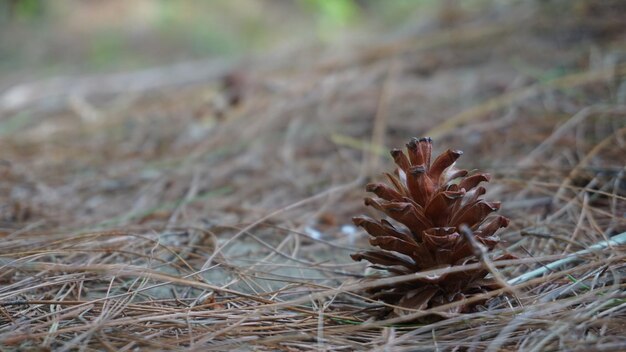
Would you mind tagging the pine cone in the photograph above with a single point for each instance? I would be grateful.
(427, 203)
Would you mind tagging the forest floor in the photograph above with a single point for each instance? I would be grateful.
(208, 205)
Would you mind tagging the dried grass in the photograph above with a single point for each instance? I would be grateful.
(169, 220)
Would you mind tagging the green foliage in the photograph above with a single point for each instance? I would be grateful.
(28, 9)
(337, 12)
(331, 15)
(105, 49)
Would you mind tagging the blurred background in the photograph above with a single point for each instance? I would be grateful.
(42, 38)
(132, 90)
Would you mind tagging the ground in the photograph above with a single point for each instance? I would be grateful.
(208, 205)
